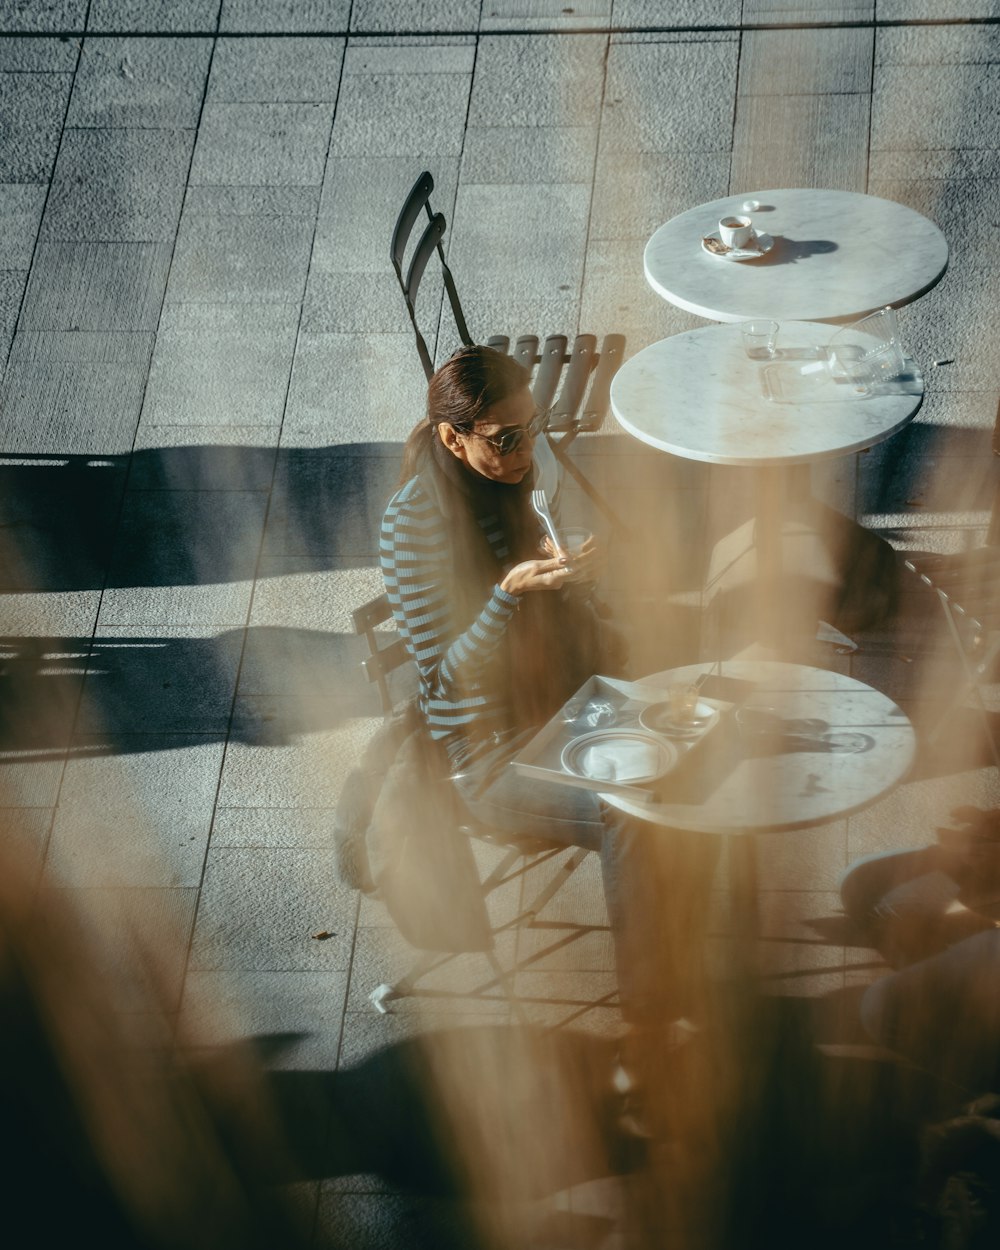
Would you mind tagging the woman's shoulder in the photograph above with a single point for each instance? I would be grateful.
(412, 503)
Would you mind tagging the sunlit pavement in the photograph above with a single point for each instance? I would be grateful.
(210, 373)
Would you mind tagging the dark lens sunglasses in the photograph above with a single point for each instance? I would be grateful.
(506, 441)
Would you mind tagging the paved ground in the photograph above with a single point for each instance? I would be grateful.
(209, 375)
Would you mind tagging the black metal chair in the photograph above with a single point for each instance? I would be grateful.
(571, 412)
(967, 586)
(386, 654)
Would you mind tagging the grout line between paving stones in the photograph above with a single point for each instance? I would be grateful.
(86, 663)
(611, 29)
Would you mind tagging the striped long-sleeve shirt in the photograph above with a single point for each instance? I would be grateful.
(460, 690)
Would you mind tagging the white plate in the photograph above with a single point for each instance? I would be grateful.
(581, 757)
(656, 718)
(764, 245)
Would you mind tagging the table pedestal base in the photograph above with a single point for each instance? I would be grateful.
(796, 563)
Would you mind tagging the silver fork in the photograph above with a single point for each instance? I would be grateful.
(541, 507)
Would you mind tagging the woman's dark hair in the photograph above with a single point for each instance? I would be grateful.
(467, 384)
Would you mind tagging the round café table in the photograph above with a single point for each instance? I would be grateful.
(733, 789)
(738, 786)
(697, 395)
(837, 256)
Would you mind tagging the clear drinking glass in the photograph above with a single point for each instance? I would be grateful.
(759, 338)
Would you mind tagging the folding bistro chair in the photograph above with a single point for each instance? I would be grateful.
(572, 412)
(967, 585)
(523, 853)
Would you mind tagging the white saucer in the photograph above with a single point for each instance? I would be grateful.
(764, 245)
(656, 718)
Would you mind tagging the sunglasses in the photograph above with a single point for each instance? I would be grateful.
(507, 440)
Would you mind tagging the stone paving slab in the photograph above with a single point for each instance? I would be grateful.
(51, 15)
(936, 45)
(392, 16)
(498, 154)
(37, 102)
(537, 81)
(680, 13)
(73, 409)
(345, 386)
(636, 192)
(40, 55)
(806, 62)
(20, 214)
(305, 773)
(26, 832)
(261, 907)
(954, 106)
(262, 144)
(183, 16)
(12, 284)
(224, 1007)
(99, 286)
(910, 10)
(642, 76)
(264, 828)
(125, 819)
(118, 185)
(527, 240)
(347, 303)
(808, 11)
(269, 71)
(304, 16)
(252, 259)
(792, 141)
(220, 364)
(545, 15)
(398, 114)
(49, 613)
(140, 82)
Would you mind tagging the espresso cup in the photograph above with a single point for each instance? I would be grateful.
(735, 231)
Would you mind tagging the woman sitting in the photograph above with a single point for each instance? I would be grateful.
(503, 632)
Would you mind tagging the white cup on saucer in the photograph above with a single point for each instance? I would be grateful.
(735, 232)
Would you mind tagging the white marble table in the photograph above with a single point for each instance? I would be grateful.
(697, 395)
(837, 256)
(731, 790)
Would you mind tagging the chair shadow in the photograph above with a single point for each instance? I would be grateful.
(177, 516)
(108, 696)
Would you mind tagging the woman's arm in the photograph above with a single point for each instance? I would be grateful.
(416, 564)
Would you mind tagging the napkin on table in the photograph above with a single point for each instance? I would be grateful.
(624, 760)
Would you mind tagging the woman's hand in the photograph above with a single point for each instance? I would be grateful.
(586, 563)
(536, 575)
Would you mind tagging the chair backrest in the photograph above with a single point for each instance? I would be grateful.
(430, 241)
(386, 651)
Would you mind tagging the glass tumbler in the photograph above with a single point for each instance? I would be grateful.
(759, 338)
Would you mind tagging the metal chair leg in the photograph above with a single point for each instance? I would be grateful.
(973, 677)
